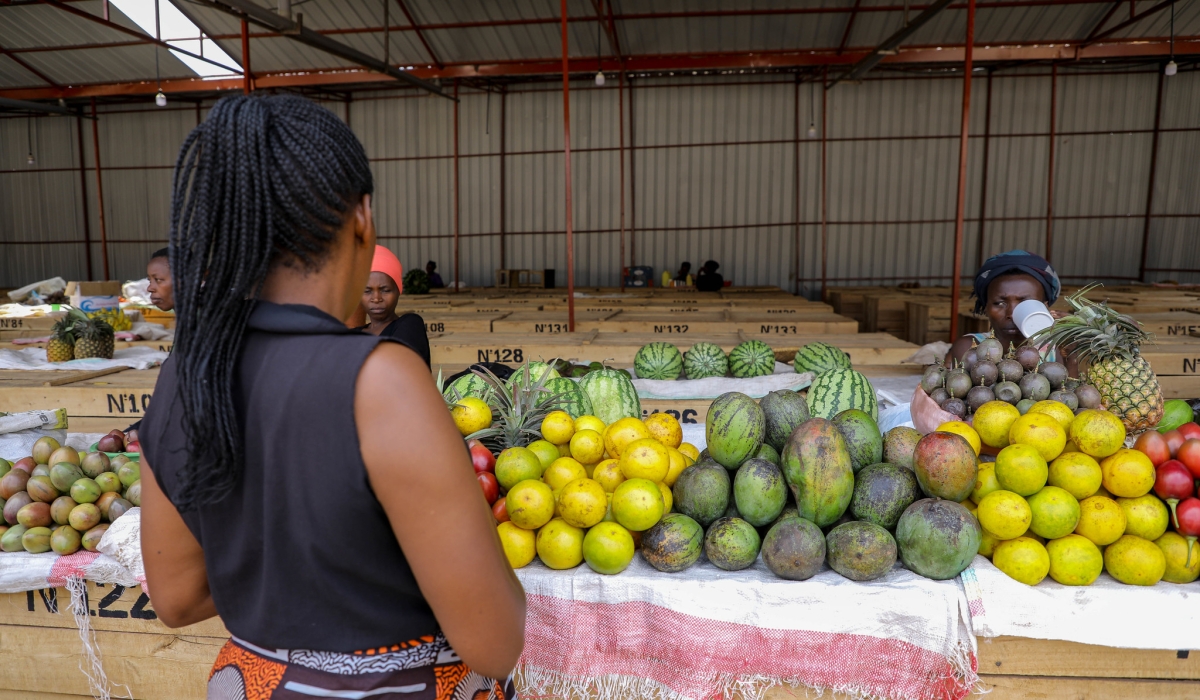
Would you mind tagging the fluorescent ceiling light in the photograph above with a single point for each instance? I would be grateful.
(173, 24)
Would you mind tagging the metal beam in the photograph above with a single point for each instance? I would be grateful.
(22, 105)
(849, 27)
(1104, 20)
(21, 62)
(605, 20)
(132, 32)
(1131, 21)
(893, 42)
(417, 28)
(296, 30)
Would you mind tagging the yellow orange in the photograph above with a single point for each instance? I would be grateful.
(587, 446)
(563, 471)
(558, 427)
(1040, 431)
(645, 459)
(664, 428)
(993, 420)
(582, 503)
(690, 450)
(618, 435)
(638, 504)
(608, 474)
(679, 462)
(1127, 473)
(960, 428)
(589, 423)
(560, 544)
(530, 504)
(1058, 411)
(519, 544)
(471, 415)
(1097, 433)
(1101, 520)
(1076, 473)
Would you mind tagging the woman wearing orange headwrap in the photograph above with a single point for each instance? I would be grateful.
(379, 301)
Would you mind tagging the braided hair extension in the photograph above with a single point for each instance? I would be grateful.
(263, 181)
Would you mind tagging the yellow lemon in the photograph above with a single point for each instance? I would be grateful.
(608, 475)
(987, 544)
(517, 464)
(563, 471)
(960, 428)
(1021, 469)
(1101, 520)
(564, 450)
(1074, 560)
(1055, 513)
(992, 422)
(1145, 516)
(546, 452)
(1180, 567)
(1040, 431)
(1023, 559)
(560, 545)
(471, 415)
(1058, 411)
(618, 435)
(519, 544)
(1004, 514)
(667, 496)
(1076, 472)
(530, 504)
(1127, 473)
(1135, 561)
(679, 462)
(582, 503)
(664, 428)
(690, 451)
(645, 459)
(558, 427)
(638, 504)
(1097, 433)
(589, 423)
(587, 446)
(985, 482)
(608, 548)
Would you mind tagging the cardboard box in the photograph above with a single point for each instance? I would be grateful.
(93, 296)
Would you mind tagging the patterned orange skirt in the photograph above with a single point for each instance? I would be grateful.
(423, 669)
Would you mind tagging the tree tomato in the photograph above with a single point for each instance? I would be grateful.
(1189, 454)
(491, 487)
(482, 458)
(1152, 444)
(500, 510)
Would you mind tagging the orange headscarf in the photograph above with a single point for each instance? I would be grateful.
(386, 262)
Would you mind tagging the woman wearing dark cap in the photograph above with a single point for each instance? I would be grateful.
(339, 533)
(1004, 281)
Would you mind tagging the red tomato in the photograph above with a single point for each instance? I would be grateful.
(1189, 431)
(500, 510)
(491, 487)
(1189, 454)
(1152, 444)
(482, 458)
(1174, 440)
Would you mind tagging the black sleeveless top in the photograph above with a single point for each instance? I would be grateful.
(300, 554)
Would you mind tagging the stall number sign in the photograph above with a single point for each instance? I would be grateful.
(1183, 329)
(119, 404)
(499, 355)
(685, 415)
(120, 603)
(671, 328)
(778, 329)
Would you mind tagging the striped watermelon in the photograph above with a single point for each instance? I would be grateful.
(573, 399)
(735, 429)
(820, 357)
(536, 370)
(612, 395)
(837, 390)
(753, 358)
(705, 360)
(468, 385)
(658, 361)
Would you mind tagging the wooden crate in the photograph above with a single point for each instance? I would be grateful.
(549, 322)
(122, 396)
(884, 312)
(1179, 323)
(438, 322)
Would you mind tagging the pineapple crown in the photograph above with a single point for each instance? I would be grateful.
(64, 329)
(519, 406)
(1094, 332)
(87, 327)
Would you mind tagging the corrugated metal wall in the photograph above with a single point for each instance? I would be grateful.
(713, 170)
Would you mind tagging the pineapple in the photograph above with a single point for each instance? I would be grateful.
(93, 337)
(61, 347)
(1107, 344)
(518, 408)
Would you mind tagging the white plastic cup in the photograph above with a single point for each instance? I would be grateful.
(1032, 316)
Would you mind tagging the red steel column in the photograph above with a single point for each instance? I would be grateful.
(87, 225)
(983, 188)
(1150, 186)
(824, 182)
(457, 278)
(99, 190)
(960, 209)
(632, 180)
(503, 184)
(247, 80)
(567, 165)
(796, 180)
(1050, 167)
(621, 150)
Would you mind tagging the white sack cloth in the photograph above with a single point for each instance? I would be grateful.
(35, 359)
(783, 379)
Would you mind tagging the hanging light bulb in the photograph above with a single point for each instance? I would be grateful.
(599, 78)
(812, 131)
(30, 159)
(1171, 68)
(160, 99)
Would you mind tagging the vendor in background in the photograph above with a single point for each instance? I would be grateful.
(1004, 281)
(709, 280)
(685, 273)
(158, 271)
(435, 280)
(380, 299)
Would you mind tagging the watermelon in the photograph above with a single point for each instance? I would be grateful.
(468, 385)
(820, 357)
(735, 429)
(573, 400)
(612, 395)
(753, 358)
(705, 360)
(536, 370)
(838, 390)
(658, 361)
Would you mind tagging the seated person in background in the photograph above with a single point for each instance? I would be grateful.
(685, 270)
(1004, 281)
(709, 280)
(158, 270)
(435, 280)
(380, 299)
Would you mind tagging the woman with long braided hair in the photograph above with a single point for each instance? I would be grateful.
(339, 533)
